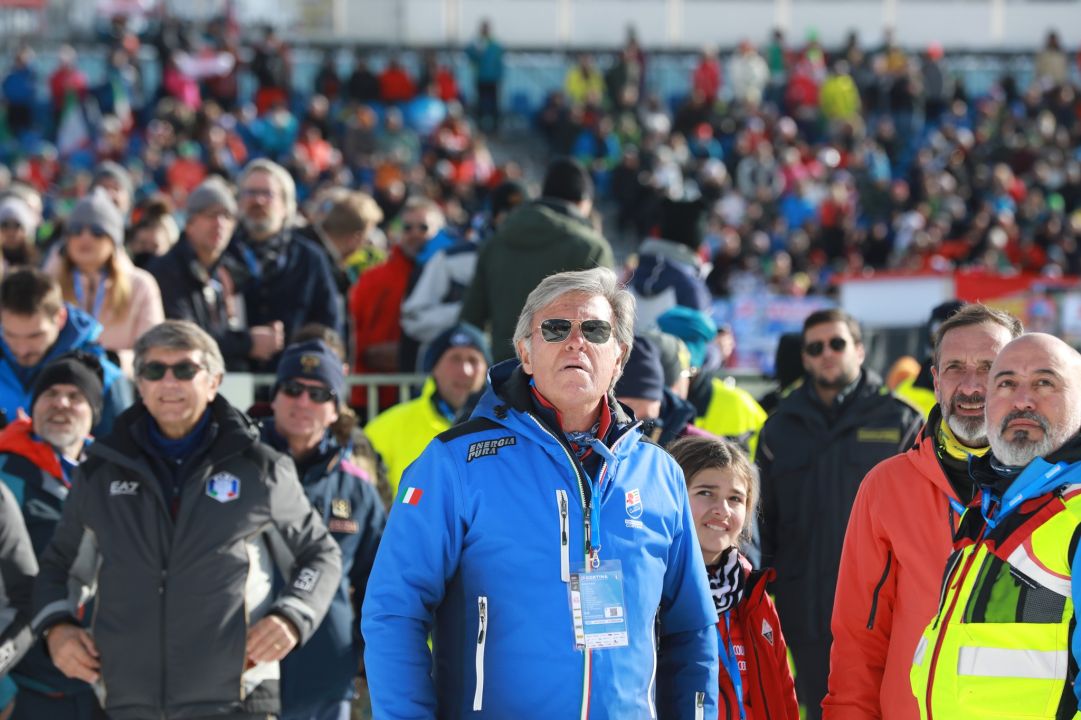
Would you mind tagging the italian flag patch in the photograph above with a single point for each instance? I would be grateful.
(409, 495)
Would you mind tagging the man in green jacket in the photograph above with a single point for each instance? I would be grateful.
(545, 237)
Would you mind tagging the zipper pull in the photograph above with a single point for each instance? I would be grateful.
(482, 604)
(563, 512)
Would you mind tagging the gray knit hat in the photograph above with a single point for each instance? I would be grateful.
(96, 210)
(108, 168)
(211, 193)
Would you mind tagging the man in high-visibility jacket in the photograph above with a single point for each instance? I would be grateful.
(1001, 645)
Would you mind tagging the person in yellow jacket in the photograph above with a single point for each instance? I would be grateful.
(457, 361)
(839, 99)
(1001, 644)
(723, 409)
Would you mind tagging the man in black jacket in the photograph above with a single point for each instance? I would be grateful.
(280, 271)
(196, 287)
(813, 453)
(174, 525)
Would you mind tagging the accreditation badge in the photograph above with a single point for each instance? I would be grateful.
(597, 608)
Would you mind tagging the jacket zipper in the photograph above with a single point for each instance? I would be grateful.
(161, 591)
(878, 589)
(564, 536)
(945, 623)
(482, 638)
(699, 706)
(653, 675)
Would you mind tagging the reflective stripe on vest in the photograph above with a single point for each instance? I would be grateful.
(999, 662)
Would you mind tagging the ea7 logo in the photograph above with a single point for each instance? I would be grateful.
(306, 578)
(123, 487)
(7, 654)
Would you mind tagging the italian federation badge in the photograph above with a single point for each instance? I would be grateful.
(223, 487)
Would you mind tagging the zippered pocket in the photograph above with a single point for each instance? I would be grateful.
(878, 589)
(564, 536)
(482, 638)
(699, 706)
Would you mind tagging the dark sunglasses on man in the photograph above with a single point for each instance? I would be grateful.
(557, 330)
(184, 370)
(419, 227)
(316, 394)
(814, 349)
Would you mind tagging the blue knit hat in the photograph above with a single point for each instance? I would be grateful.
(312, 360)
(643, 375)
(693, 327)
(460, 335)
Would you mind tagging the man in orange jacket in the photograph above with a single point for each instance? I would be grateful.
(902, 523)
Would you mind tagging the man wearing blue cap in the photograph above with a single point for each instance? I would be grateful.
(317, 679)
(723, 409)
(458, 361)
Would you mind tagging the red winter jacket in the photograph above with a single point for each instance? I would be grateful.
(757, 640)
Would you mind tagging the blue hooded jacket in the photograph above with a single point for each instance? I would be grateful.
(80, 332)
(479, 548)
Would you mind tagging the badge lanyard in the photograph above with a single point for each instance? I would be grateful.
(80, 294)
(731, 663)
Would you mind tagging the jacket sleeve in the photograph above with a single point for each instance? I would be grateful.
(119, 395)
(475, 309)
(862, 613)
(312, 561)
(782, 670)
(767, 515)
(372, 523)
(327, 305)
(687, 659)
(418, 556)
(18, 566)
(424, 315)
(69, 564)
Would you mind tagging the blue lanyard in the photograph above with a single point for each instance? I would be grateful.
(80, 294)
(731, 663)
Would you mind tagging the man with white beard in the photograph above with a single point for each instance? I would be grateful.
(1001, 643)
(901, 527)
(38, 457)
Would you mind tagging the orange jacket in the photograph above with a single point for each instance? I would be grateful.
(899, 537)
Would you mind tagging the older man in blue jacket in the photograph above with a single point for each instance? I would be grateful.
(545, 544)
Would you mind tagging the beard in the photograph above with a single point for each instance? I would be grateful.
(260, 227)
(1019, 449)
(843, 379)
(971, 431)
(61, 438)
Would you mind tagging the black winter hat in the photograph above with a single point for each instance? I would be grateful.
(566, 179)
(507, 196)
(681, 221)
(77, 368)
(643, 375)
(460, 335)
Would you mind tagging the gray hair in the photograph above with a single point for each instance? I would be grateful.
(284, 179)
(596, 282)
(180, 335)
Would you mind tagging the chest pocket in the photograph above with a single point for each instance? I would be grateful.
(1003, 594)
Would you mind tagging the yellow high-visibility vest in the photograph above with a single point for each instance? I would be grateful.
(999, 645)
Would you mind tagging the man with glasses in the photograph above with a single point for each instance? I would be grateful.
(545, 544)
(813, 452)
(196, 286)
(36, 327)
(173, 526)
(317, 680)
(375, 302)
(282, 274)
(902, 524)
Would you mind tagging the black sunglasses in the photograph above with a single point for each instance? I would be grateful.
(10, 225)
(814, 349)
(316, 394)
(95, 229)
(595, 331)
(409, 227)
(183, 370)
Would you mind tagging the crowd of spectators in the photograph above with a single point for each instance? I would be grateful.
(803, 162)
